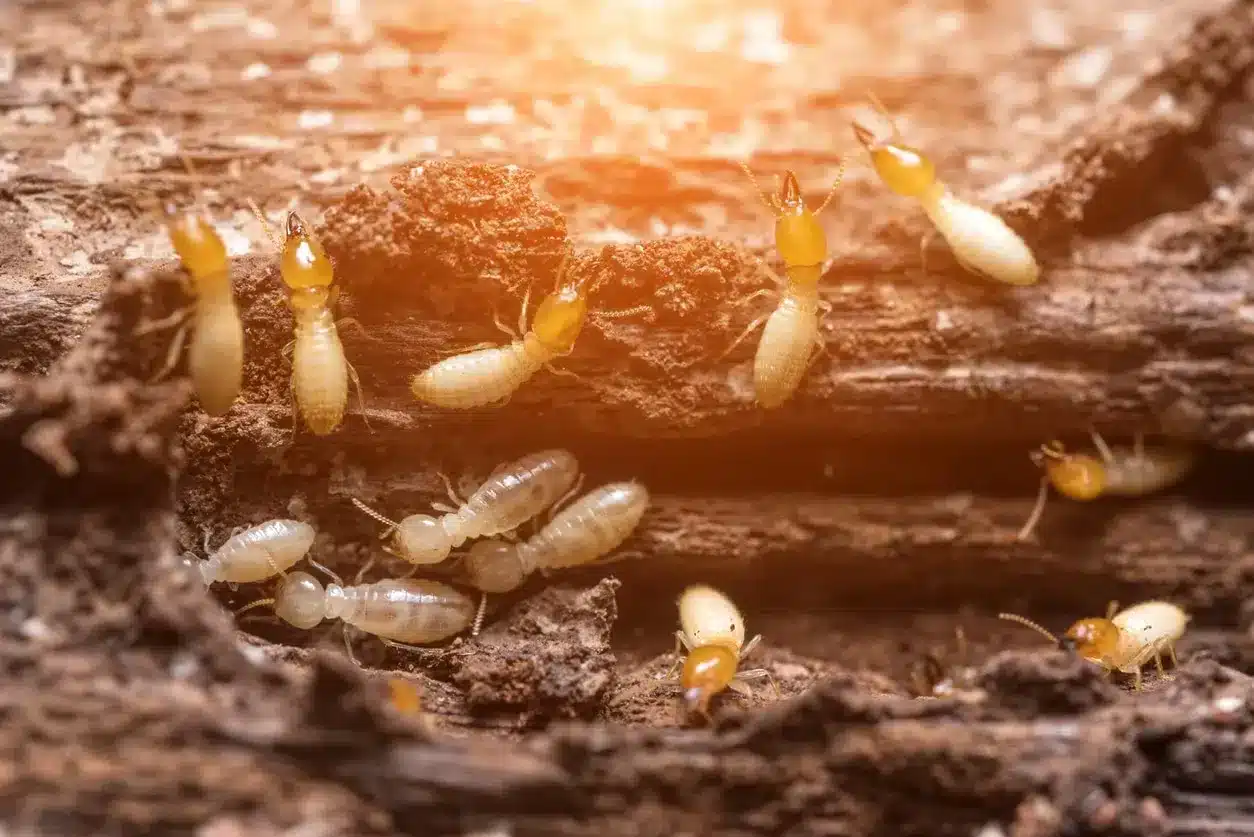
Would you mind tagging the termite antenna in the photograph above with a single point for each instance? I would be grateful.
(1035, 517)
(840, 175)
(265, 225)
(1110, 609)
(479, 614)
(766, 198)
(884, 112)
(256, 604)
(1014, 617)
(391, 524)
(325, 571)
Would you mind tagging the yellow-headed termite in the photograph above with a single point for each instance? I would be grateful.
(512, 495)
(981, 242)
(1123, 641)
(1125, 472)
(791, 338)
(482, 376)
(399, 611)
(256, 553)
(320, 371)
(592, 526)
(215, 353)
(713, 633)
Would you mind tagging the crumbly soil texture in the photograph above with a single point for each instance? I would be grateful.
(450, 155)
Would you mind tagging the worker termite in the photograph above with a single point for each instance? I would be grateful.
(1128, 472)
(512, 495)
(981, 242)
(713, 633)
(255, 554)
(791, 339)
(215, 353)
(488, 374)
(399, 611)
(587, 529)
(1123, 641)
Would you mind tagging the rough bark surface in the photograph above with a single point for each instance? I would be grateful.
(857, 526)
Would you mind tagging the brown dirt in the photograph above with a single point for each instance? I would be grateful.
(857, 527)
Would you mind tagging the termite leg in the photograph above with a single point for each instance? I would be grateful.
(1171, 652)
(1103, 449)
(208, 532)
(452, 492)
(680, 642)
(566, 498)
(757, 674)
(361, 399)
(759, 292)
(483, 610)
(1111, 608)
(565, 373)
(496, 320)
(362, 572)
(748, 330)
(486, 344)
(1037, 510)
(1158, 661)
(925, 244)
(750, 645)
(1136, 682)
(172, 356)
(326, 571)
(286, 352)
(522, 313)
(348, 643)
(163, 323)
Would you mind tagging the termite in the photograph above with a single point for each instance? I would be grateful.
(1123, 641)
(592, 526)
(320, 371)
(933, 678)
(713, 633)
(512, 495)
(215, 353)
(1126, 472)
(400, 611)
(488, 374)
(791, 339)
(255, 554)
(981, 242)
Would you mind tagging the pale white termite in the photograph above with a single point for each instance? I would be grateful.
(512, 495)
(592, 526)
(1123, 641)
(400, 611)
(491, 375)
(255, 554)
(712, 631)
(791, 339)
(981, 242)
(215, 353)
(1121, 472)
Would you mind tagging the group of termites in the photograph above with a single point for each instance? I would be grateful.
(408, 611)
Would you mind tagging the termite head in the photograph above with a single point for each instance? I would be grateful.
(708, 669)
(494, 566)
(421, 539)
(304, 264)
(300, 600)
(560, 318)
(799, 236)
(905, 170)
(1077, 476)
(197, 244)
(1093, 639)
